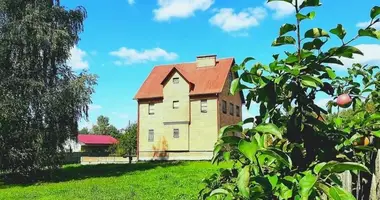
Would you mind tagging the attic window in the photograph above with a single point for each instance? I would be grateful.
(175, 80)
(175, 104)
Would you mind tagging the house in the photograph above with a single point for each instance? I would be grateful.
(90, 143)
(181, 108)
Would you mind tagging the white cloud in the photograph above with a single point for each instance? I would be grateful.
(131, 2)
(365, 24)
(130, 56)
(281, 9)
(179, 8)
(77, 59)
(121, 115)
(371, 56)
(229, 21)
(94, 107)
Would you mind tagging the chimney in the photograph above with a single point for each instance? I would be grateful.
(206, 61)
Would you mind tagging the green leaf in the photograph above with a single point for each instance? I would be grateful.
(306, 185)
(219, 191)
(318, 167)
(376, 133)
(287, 28)
(269, 129)
(273, 180)
(246, 60)
(338, 193)
(371, 118)
(308, 3)
(331, 73)
(311, 81)
(227, 156)
(375, 11)
(249, 149)
(301, 17)
(339, 31)
(283, 40)
(315, 44)
(316, 33)
(235, 128)
(243, 181)
(278, 155)
(333, 60)
(339, 167)
(369, 32)
(235, 86)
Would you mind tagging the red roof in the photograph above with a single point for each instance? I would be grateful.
(96, 139)
(205, 80)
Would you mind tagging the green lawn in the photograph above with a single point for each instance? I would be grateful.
(170, 180)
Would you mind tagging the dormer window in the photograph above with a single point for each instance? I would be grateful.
(175, 104)
(175, 80)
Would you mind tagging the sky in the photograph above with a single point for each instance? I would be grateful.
(124, 39)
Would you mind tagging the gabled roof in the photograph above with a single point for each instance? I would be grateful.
(206, 80)
(96, 139)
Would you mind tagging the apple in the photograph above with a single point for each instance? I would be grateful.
(344, 101)
(363, 141)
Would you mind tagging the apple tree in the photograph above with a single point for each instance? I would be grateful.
(291, 151)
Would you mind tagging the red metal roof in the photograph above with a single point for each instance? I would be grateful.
(96, 139)
(206, 80)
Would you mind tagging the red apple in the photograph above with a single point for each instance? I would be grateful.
(344, 101)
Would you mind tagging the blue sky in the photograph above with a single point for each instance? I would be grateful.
(125, 39)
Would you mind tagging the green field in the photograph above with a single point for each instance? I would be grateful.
(170, 180)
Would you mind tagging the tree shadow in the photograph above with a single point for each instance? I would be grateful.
(79, 172)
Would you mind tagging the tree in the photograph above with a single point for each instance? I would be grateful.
(84, 131)
(103, 127)
(127, 145)
(290, 152)
(42, 99)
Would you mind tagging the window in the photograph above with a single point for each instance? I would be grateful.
(238, 111)
(176, 133)
(175, 104)
(230, 79)
(224, 107)
(151, 135)
(175, 80)
(232, 109)
(204, 106)
(151, 109)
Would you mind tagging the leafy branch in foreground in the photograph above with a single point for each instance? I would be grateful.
(291, 151)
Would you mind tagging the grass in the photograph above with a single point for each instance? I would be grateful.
(168, 180)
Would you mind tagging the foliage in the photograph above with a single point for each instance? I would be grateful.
(84, 131)
(103, 127)
(41, 97)
(127, 145)
(143, 181)
(291, 152)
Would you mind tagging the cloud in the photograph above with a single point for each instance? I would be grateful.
(371, 56)
(281, 9)
(229, 21)
(179, 8)
(121, 115)
(128, 56)
(94, 107)
(131, 2)
(77, 59)
(365, 24)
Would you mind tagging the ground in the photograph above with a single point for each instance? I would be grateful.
(174, 180)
